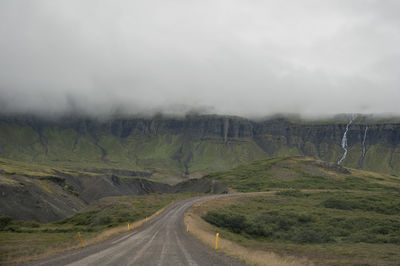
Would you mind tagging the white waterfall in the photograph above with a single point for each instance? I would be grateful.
(364, 148)
(344, 139)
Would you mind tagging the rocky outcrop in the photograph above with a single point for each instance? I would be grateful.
(29, 198)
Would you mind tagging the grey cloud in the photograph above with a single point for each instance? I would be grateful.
(234, 57)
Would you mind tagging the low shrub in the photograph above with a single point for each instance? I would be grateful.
(233, 222)
(4, 222)
(102, 220)
(339, 204)
(389, 205)
(311, 235)
(310, 220)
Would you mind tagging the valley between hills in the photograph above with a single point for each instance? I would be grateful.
(93, 176)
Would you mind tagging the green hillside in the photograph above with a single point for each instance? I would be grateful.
(163, 155)
(169, 149)
(317, 210)
(302, 173)
(323, 228)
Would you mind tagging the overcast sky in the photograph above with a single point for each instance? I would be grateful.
(240, 57)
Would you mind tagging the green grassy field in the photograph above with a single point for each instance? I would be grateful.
(24, 240)
(302, 173)
(12, 167)
(329, 214)
(329, 228)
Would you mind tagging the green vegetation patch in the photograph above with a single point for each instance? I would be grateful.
(314, 217)
(110, 212)
(339, 226)
(370, 203)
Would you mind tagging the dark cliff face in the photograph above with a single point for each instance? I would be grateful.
(199, 126)
(371, 145)
(197, 143)
(387, 134)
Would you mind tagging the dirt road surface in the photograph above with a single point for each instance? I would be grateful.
(162, 241)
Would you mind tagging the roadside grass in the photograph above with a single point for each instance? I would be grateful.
(251, 254)
(328, 228)
(21, 241)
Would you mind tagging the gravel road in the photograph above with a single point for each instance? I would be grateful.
(162, 241)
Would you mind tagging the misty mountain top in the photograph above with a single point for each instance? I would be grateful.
(246, 58)
(67, 117)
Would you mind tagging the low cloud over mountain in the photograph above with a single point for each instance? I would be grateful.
(232, 57)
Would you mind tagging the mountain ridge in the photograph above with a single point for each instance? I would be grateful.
(172, 148)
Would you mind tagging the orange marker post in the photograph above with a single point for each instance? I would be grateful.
(80, 239)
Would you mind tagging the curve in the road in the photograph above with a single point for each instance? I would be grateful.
(162, 241)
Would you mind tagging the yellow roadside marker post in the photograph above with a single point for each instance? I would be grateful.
(146, 219)
(80, 239)
(216, 240)
(129, 227)
(187, 228)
